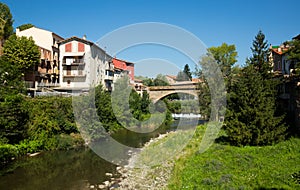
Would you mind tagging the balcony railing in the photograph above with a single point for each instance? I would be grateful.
(74, 62)
(74, 76)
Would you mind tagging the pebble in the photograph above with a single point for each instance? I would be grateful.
(106, 183)
(109, 174)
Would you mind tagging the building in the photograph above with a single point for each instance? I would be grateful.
(122, 67)
(83, 65)
(171, 79)
(279, 59)
(46, 74)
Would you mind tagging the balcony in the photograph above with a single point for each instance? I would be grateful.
(74, 76)
(74, 62)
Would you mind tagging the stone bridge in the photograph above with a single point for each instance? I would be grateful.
(158, 92)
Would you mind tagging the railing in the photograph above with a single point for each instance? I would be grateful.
(74, 62)
(42, 84)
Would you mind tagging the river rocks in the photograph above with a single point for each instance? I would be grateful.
(145, 178)
(109, 174)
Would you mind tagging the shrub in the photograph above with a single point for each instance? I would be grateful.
(7, 152)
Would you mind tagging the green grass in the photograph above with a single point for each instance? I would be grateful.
(229, 167)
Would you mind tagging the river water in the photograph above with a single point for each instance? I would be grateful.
(69, 169)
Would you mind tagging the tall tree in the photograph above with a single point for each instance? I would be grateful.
(187, 71)
(225, 56)
(22, 52)
(260, 55)
(251, 115)
(184, 75)
(6, 22)
(13, 112)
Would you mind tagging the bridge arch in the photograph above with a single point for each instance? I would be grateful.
(158, 92)
(159, 95)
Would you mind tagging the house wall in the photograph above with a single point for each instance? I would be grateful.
(46, 73)
(90, 73)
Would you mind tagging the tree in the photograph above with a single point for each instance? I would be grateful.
(21, 52)
(6, 22)
(25, 26)
(294, 54)
(260, 55)
(225, 56)
(148, 82)
(187, 71)
(13, 114)
(184, 75)
(160, 80)
(251, 117)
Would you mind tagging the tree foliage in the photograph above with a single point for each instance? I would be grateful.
(260, 55)
(251, 116)
(225, 56)
(160, 80)
(22, 52)
(294, 54)
(25, 26)
(184, 75)
(6, 22)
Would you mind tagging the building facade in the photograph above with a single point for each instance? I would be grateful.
(46, 73)
(122, 67)
(83, 65)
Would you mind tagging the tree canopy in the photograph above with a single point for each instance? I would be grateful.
(6, 22)
(260, 55)
(21, 52)
(184, 75)
(251, 117)
(25, 26)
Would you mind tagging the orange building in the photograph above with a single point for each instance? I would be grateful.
(122, 66)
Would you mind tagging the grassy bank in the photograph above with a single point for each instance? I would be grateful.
(229, 167)
(220, 167)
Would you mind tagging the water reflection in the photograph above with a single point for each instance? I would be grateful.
(73, 169)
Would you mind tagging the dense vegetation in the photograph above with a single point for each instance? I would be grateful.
(252, 114)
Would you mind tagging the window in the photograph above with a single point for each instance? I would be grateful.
(80, 47)
(68, 47)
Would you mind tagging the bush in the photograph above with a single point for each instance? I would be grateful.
(7, 152)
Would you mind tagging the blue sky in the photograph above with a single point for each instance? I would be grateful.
(213, 22)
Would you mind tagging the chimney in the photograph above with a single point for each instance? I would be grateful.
(17, 31)
(279, 49)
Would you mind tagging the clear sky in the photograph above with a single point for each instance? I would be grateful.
(213, 22)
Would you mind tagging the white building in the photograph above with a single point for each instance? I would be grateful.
(83, 65)
(46, 74)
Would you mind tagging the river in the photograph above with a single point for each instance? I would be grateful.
(69, 169)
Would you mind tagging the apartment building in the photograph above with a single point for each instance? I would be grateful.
(46, 73)
(83, 65)
(122, 67)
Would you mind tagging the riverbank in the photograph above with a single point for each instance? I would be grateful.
(149, 168)
(147, 177)
(220, 167)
